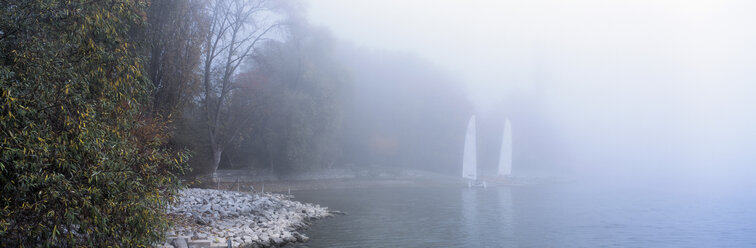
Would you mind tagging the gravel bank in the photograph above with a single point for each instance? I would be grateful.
(211, 218)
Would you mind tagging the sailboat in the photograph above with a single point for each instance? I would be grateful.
(470, 160)
(505, 155)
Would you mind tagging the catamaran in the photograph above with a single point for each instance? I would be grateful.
(505, 155)
(469, 161)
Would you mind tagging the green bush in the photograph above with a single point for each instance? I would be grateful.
(81, 164)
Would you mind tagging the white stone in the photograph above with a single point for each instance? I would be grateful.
(259, 218)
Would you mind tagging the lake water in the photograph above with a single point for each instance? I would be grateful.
(570, 215)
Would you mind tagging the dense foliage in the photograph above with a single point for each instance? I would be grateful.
(80, 163)
(294, 95)
(308, 101)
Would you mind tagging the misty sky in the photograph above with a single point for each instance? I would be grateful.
(647, 81)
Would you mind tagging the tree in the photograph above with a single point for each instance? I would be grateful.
(175, 35)
(81, 164)
(297, 90)
(236, 27)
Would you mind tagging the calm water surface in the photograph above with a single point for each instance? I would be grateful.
(536, 216)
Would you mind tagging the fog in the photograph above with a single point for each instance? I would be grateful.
(642, 92)
(378, 123)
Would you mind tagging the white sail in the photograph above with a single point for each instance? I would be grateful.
(469, 162)
(505, 156)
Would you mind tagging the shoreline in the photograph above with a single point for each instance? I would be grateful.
(287, 186)
(264, 213)
(219, 218)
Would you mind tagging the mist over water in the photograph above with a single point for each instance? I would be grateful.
(645, 106)
(654, 93)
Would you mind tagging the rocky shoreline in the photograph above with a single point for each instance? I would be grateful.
(213, 218)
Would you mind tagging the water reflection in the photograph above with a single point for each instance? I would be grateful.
(487, 217)
(506, 220)
(548, 216)
(469, 211)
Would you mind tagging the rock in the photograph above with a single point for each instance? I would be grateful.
(335, 212)
(201, 221)
(301, 237)
(180, 243)
(277, 240)
(288, 237)
(265, 242)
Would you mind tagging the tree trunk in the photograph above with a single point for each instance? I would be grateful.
(217, 152)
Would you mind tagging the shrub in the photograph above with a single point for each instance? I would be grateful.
(80, 163)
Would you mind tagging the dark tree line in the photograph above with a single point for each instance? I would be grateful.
(296, 90)
(298, 99)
